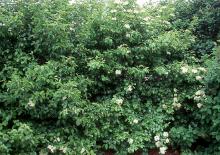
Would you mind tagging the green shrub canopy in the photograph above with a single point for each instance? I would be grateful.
(93, 75)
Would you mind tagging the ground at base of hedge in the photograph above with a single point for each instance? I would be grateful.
(151, 152)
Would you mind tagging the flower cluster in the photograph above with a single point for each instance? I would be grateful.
(199, 96)
(118, 101)
(162, 141)
(31, 104)
(118, 72)
(135, 121)
(130, 141)
(176, 104)
(51, 148)
(63, 149)
(129, 88)
(184, 69)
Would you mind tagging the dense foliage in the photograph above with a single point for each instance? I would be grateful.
(90, 76)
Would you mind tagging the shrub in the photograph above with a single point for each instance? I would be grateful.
(91, 76)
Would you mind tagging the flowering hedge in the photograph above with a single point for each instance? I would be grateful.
(89, 76)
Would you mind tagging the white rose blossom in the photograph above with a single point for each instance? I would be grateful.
(2, 24)
(135, 121)
(178, 105)
(130, 88)
(158, 144)
(175, 99)
(31, 104)
(119, 101)
(114, 18)
(165, 134)
(58, 139)
(127, 26)
(184, 69)
(51, 148)
(175, 90)
(197, 98)
(167, 140)
(64, 98)
(118, 72)
(202, 69)
(157, 138)
(199, 105)
(194, 71)
(118, 1)
(63, 149)
(200, 93)
(168, 53)
(125, 3)
(199, 78)
(82, 150)
(128, 35)
(113, 11)
(164, 106)
(130, 141)
(163, 150)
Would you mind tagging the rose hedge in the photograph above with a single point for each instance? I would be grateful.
(91, 76)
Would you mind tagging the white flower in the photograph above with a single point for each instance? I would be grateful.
(158, 144)
(163, 150)
(156, 138)
(194, 71)
(31, 104)
(168, 53)
(200, 93)
(166, 134)
(118, 1)
(135, 121)
(184, 69)
(175, 90)
(113, 11)
(202, 69)
(114, 18)
(58, 139)
(199, 105)
(175, 100)
(130, 141)
(178, 105)
(63, 149)
(82, 150)
(164, 106)
(166, 22)
(130, 88)
(125, 3)
(127, 26)
(197, 98)
(167, 140)
(136, 11)
(118, 72)
(129, 10)
(128, 35)
(172, 15)
(64, 98)
(147, 18)
(198, 78)
(51, 148)
(119, 101)
(2, 24)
